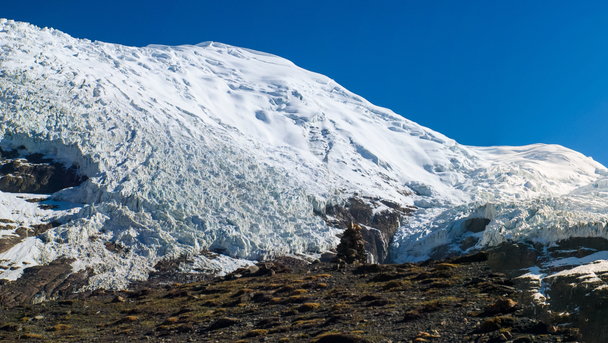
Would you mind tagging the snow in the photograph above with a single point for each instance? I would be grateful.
(15, 210)
(28, 251)
(216, 147)
(536, 276)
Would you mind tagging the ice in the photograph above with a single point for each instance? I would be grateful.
(216, 147)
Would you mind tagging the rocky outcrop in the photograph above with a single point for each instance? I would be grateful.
(32, 173)
(40, 283)
(561, 297)
(512, 258)
(476, 225)
(23, 172)
(581, 302)
(378, 219)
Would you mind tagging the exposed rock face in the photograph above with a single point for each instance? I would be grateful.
(463, 242)
(581, 297)
(581, 302)
(35, 174)
(563, 297)
(379, 220)
(21, 172)
(578, 247)
(41, 283)
(476, 224)
(512, 257)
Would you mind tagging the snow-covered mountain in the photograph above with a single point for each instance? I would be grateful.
(215, 147)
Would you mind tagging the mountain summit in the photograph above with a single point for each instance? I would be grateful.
(227, 155)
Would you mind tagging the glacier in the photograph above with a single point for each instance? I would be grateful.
(214, 147)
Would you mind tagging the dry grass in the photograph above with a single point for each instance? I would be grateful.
(31, 335)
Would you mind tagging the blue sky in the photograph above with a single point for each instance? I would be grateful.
(482, 72)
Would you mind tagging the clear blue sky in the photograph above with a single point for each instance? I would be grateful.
(482, 72)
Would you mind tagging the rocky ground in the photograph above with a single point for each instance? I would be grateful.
(288, 300)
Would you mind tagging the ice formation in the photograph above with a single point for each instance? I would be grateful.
(210, 146)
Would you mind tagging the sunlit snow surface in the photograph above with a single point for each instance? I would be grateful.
(214, 146)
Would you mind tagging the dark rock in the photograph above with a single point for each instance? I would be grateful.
(11, 327)
(493, 287)
(340, 338)
(369, 298)
(531, 326)
(223, 323)
(114, 247)
(468, 242)
(167, 271)
(360, 211)
(512, 257)
(481, 256)
(476, 224)
(37, 175)
(369, 269)
(261, 298)
(383, 277)
(42, 282)
(334, 319)
(501, 306)
(578, 247)
(270, 268)
(411, 315)
(377, 229)
(267, 323)
(267, 268)
(41, 228)
(177, 293)
(386, 224)
(307, 307)
(379, 303)
(328, 257)
(140, 293)
(495, 323)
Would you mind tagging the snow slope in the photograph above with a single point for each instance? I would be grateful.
(216, 147)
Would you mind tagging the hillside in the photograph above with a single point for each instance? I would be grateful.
(119, 161)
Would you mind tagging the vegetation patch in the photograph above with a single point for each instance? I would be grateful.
(363, 303)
